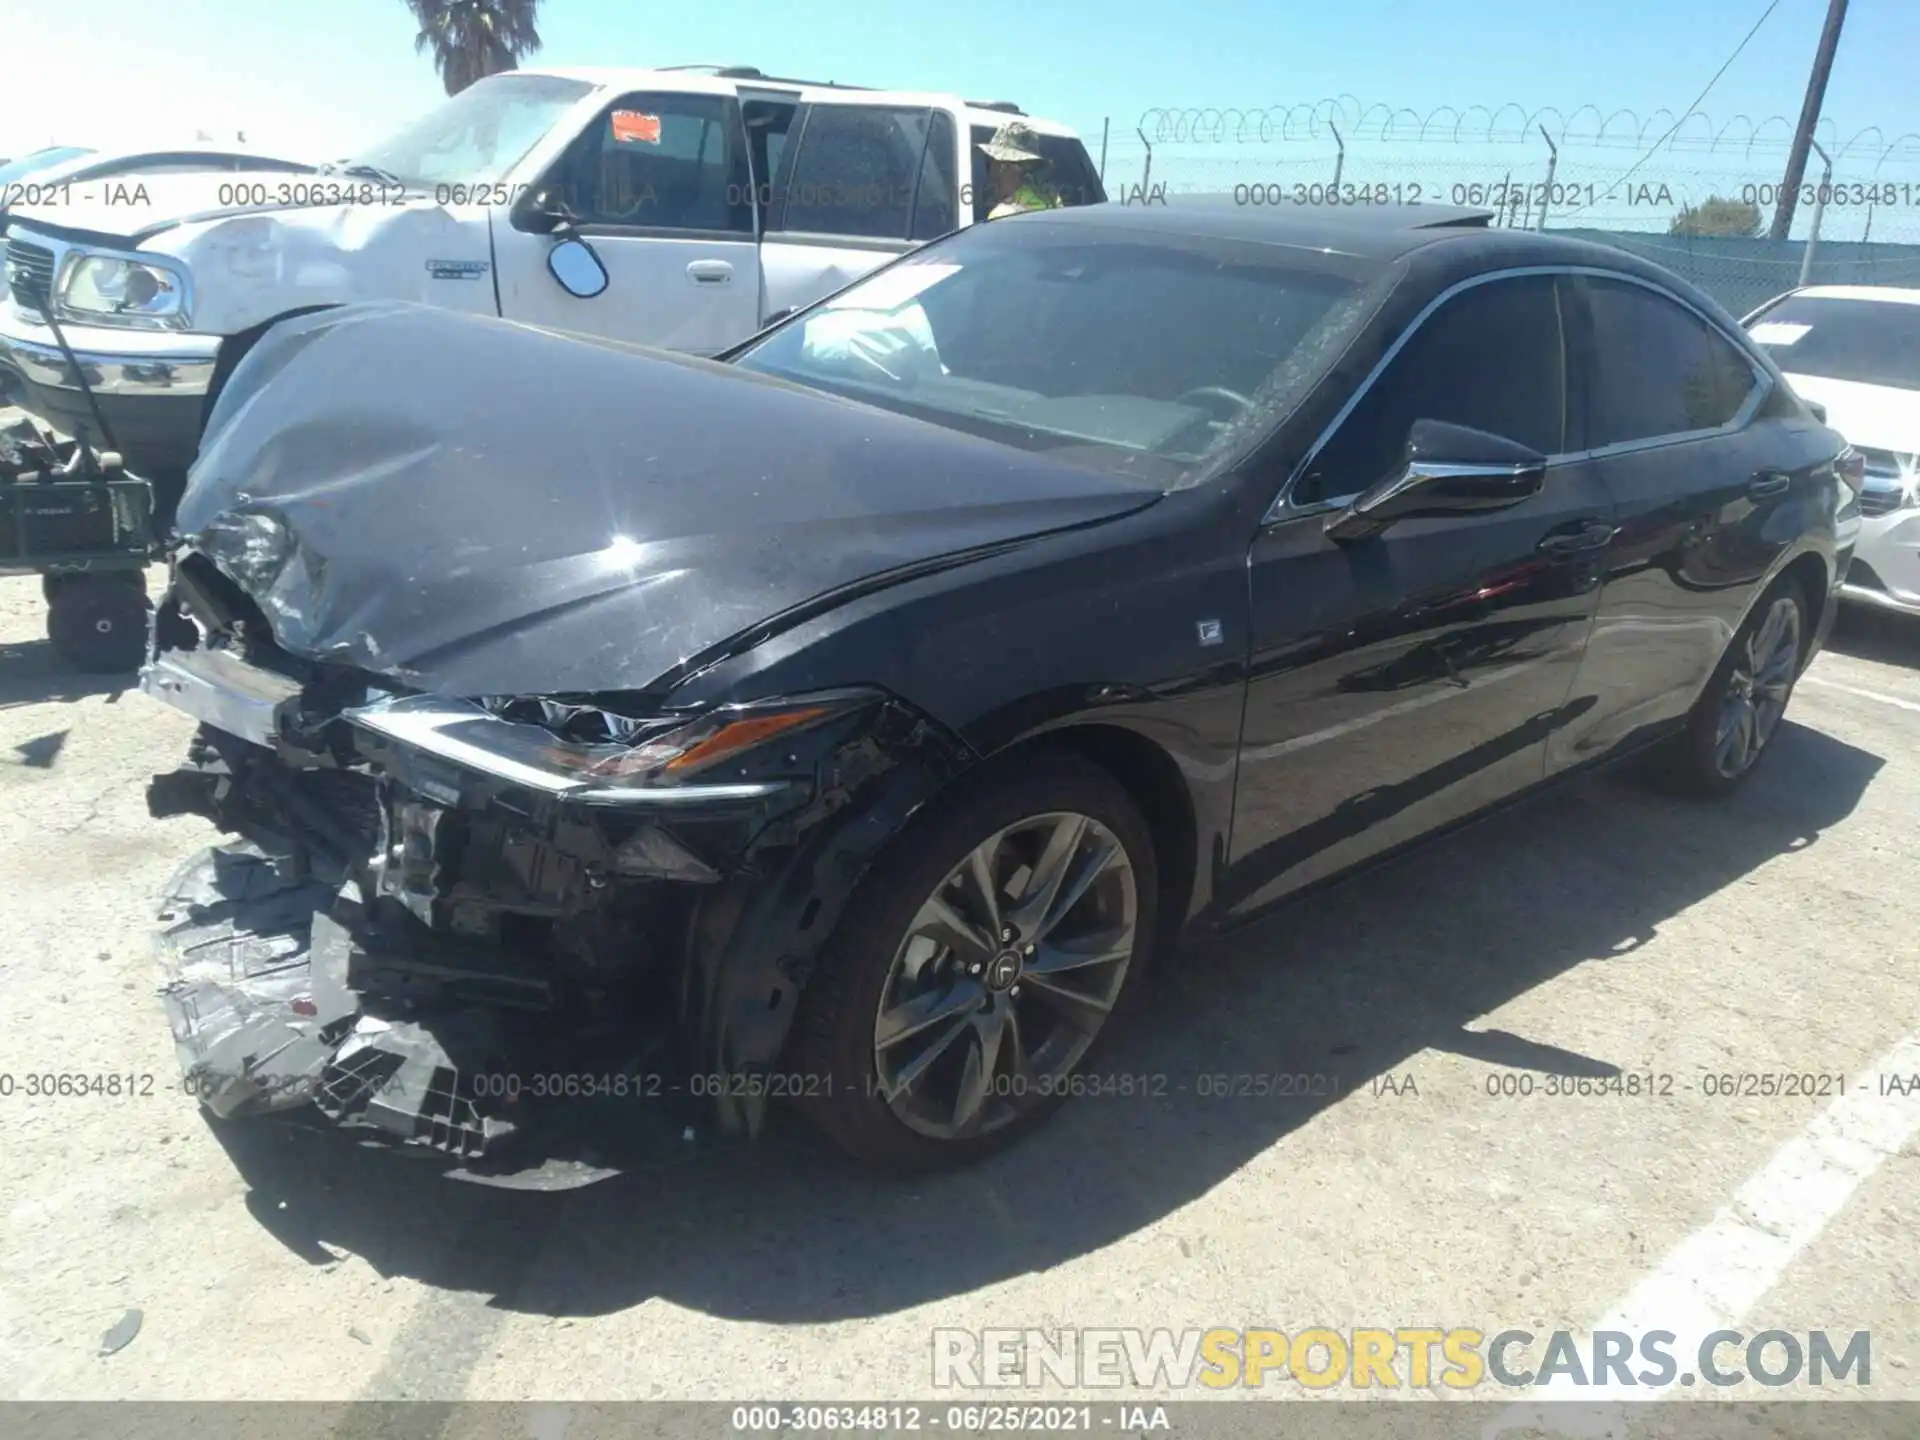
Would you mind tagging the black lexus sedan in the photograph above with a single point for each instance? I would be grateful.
(857, 720)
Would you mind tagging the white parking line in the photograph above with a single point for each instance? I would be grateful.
(1863, 694)
(1712, 1279)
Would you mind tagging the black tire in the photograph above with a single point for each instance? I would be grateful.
(835, 1029)
(99, 625)
(1696, 763)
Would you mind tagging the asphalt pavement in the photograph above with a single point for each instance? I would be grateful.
(1600, 929)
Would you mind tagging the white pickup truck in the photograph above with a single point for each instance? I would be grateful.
(714, 198)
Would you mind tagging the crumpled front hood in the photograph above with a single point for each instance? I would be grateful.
(475, 507)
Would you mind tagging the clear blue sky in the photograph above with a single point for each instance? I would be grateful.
(330, 76)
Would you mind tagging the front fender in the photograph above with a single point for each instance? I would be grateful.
(755, 937)
(247, 269)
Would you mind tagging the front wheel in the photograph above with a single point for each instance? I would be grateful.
(978, 968)
(1740, 710)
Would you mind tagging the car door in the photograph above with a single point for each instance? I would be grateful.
(660, 184)
(863, 178)
(1405, 681)
(1670, 409)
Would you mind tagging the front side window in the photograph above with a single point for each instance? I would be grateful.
(1870, 342)
(1139, 353)
(858, 170)
(673, 162)
(479, 135)
(1657, 368)
(1491, 358)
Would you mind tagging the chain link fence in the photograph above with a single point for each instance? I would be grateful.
(1638, 182)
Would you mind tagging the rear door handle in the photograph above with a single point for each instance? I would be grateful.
(710, 272)
(1768, 482)
(1578, 537)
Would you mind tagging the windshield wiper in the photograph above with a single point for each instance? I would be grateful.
(370, 172)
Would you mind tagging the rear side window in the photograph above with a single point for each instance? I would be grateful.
(674, 162)
(861, 170)
(1491, 358)
(1658, 369)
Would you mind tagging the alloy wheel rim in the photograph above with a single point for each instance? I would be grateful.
(1006, 975)
(1757, 689)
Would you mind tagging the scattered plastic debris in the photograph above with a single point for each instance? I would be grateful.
(121, 1335)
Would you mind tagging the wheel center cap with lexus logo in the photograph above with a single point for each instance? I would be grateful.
(1003, 970)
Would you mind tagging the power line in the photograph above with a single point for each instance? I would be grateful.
(1653, 149)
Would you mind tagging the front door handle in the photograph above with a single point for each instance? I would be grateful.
(1768, 483)
(1578, 537)
(710, 272)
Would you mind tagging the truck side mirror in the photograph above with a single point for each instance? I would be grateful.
(578, 269)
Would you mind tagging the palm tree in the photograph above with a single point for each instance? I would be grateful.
(472, 39)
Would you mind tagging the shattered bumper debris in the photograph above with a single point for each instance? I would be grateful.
(258, 974)
(506, 932)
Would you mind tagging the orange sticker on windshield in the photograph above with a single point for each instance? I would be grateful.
(630, 127)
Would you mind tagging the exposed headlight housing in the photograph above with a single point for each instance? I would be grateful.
(254, 547)
(118, 290)
(669, 759)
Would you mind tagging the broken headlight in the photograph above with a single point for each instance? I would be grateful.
(116, 290)
(253, 547)
(660, 757)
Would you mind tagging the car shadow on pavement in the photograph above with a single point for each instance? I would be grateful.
(1877, 635)
(32, 672)
(1352, 982)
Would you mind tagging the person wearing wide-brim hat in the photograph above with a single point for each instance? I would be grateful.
(1014, 150)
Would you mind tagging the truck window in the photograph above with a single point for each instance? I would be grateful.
(1066, 170)
(661, 162)
(869, 171)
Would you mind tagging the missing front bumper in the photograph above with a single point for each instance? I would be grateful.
(259, 972)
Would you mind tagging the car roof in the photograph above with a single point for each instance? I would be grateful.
(1445, 244)
(1891, 294)
(1371, 232)
(692, 80)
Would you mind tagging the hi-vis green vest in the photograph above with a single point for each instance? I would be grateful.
(1028, 197)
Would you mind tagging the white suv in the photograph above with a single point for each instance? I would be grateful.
(714, 201)
(1855, 351)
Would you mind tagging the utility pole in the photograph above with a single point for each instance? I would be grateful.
(1809, 117)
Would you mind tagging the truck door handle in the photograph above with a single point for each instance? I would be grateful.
(710, 272)
(1768, 482)
(1578, 537)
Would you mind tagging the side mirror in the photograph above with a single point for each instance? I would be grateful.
(1448, 470)
(1819, 411)
(573, 263)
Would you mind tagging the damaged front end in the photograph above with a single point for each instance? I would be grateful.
(512, 930)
